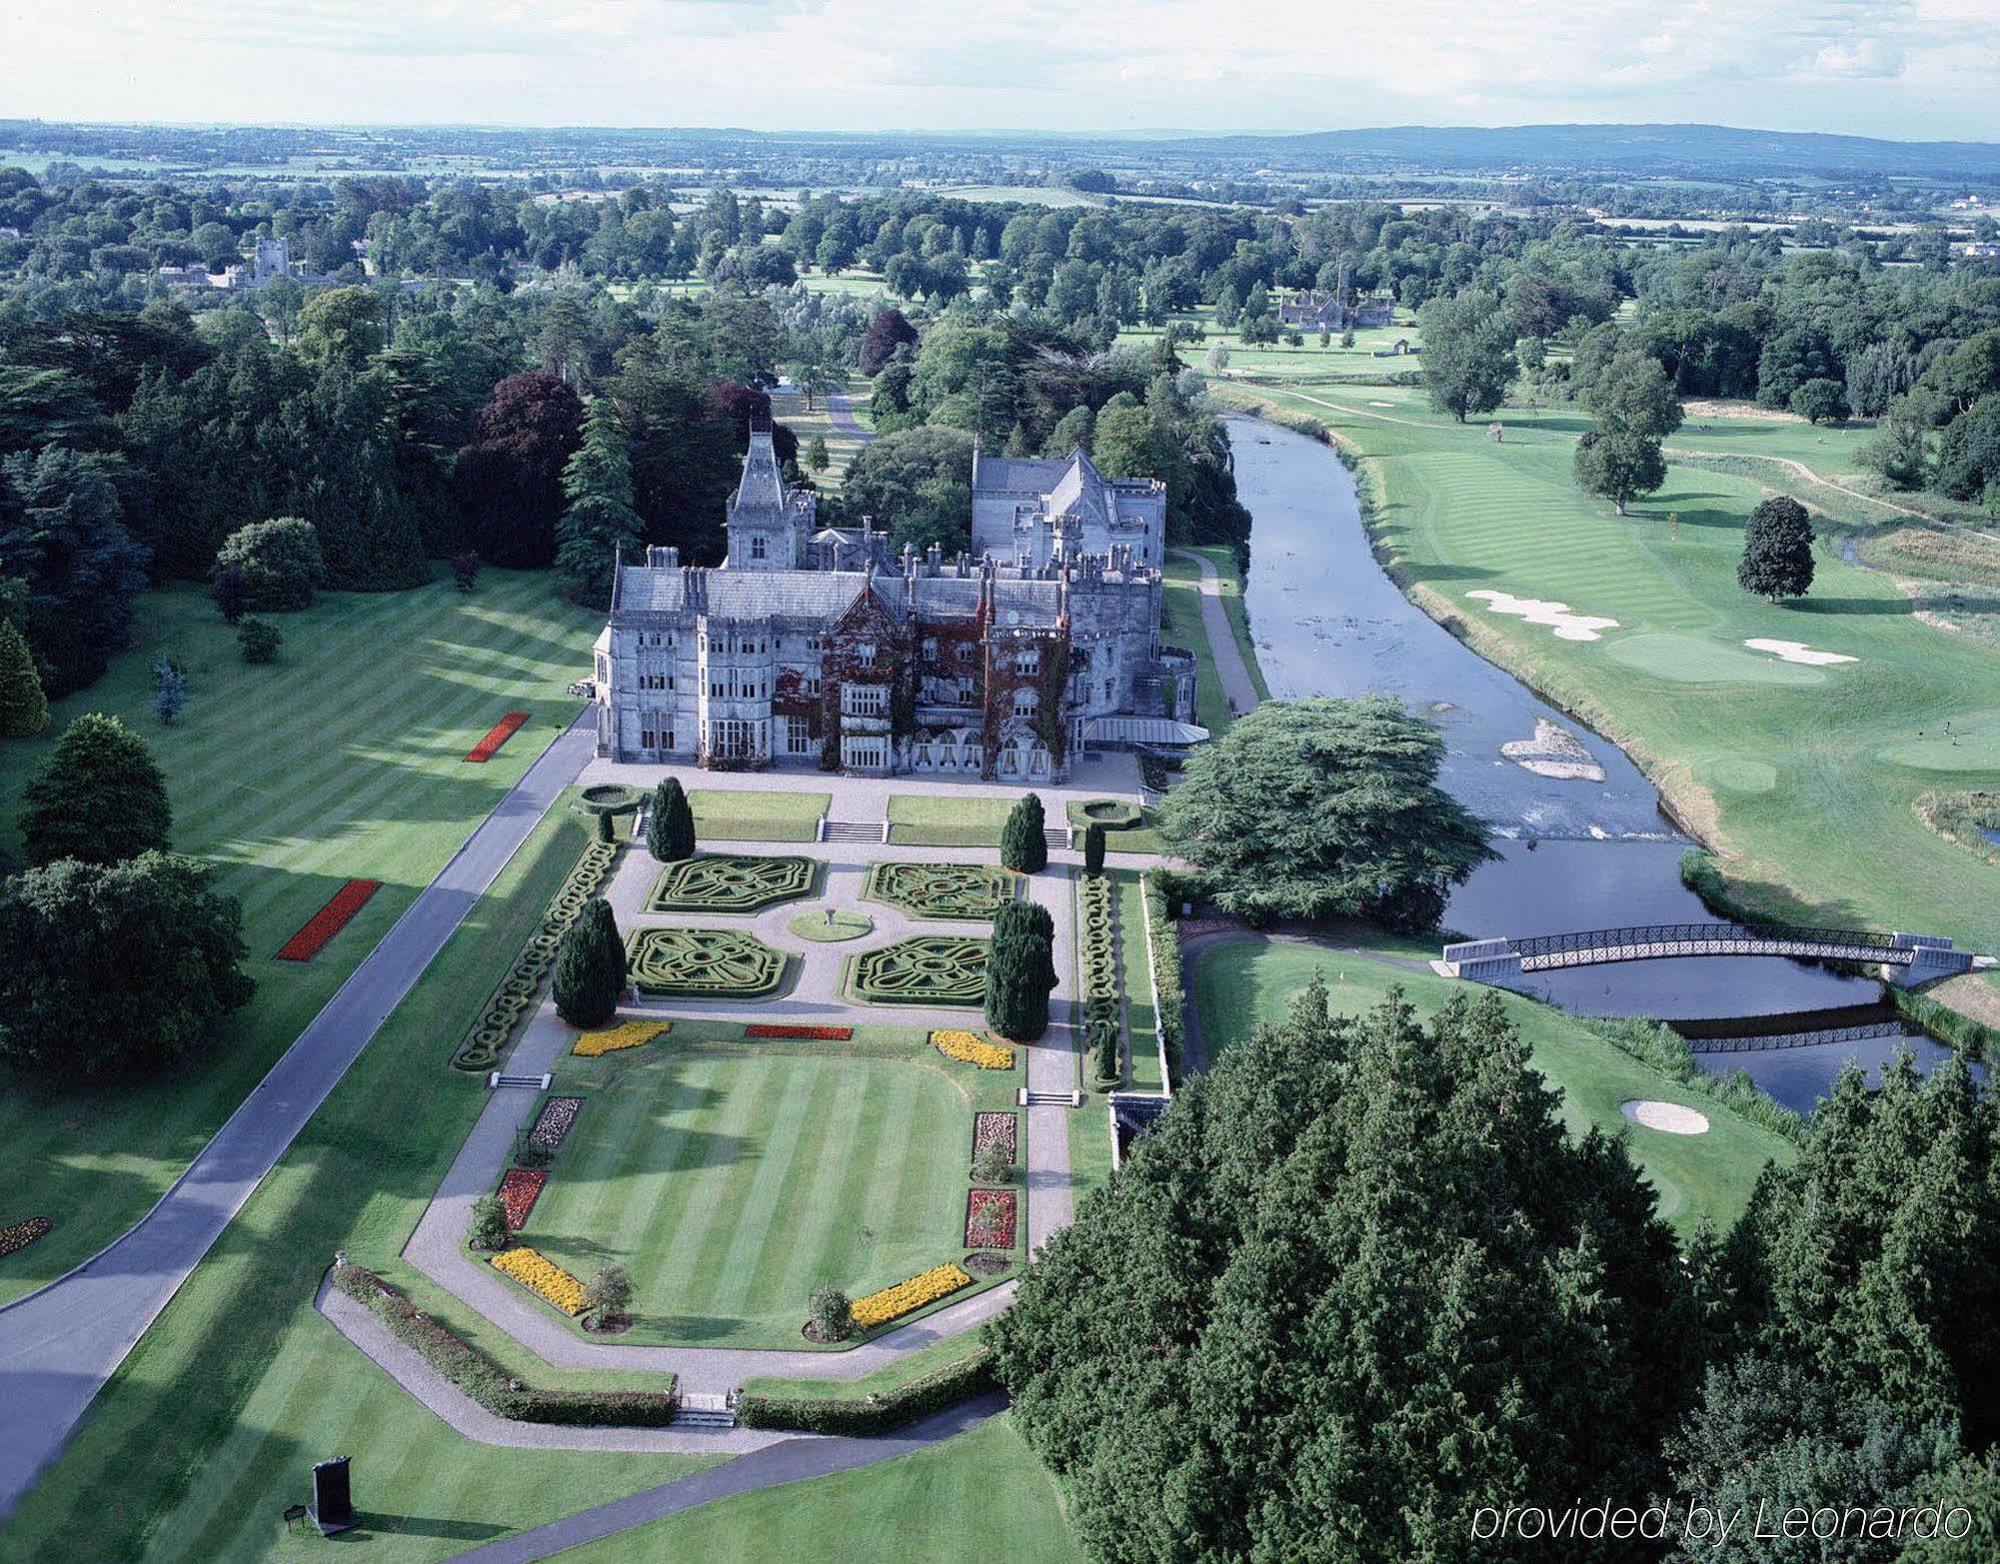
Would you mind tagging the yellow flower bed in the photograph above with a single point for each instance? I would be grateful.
(971, 1048)
(539, 1274)
(610, 1039)
(892, 1303)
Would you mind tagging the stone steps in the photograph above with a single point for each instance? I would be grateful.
(705, 1409)
(855, 831)
(1030, 1098)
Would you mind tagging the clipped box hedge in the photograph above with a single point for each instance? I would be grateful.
(473, 1372)
(875, 1414)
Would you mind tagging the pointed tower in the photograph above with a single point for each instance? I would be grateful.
(762, 524)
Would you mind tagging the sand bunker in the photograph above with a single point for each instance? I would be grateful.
(1567, 626)
(1669, 1118)
(1381, 404)
(1555, 752)
(1797, 652)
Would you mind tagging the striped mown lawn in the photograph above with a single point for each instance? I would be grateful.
(1806, 778)
(210, 1429)
(981, 1495)
(344, 760)
(730, 1180)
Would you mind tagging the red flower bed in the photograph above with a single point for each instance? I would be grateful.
(329, 920)
(498, 734)
(809, 1034)
(989, 1219)
(518, 1192)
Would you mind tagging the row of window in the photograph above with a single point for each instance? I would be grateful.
(747, 644)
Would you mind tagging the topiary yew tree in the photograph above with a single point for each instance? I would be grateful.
(1024, 842)
(1777, 550)
(1325, 808)
(670, 823)
(589, 968)
(1376, 1282)
(1020, 971)
(24, 709)
(98, 797)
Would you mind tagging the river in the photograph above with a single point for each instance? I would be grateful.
(1573, 854)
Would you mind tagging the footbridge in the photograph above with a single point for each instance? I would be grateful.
(1906, 959)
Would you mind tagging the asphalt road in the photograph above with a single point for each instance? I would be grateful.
(59, 1345)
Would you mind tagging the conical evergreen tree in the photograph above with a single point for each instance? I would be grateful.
(1023, 846)
(98, 797)
(597, 483)
(670, 823)
(1021, 971)
(24, 709)
(590, 968)
(1093, 847)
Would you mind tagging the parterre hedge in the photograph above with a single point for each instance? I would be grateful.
(877, 1414)
(473, 1372)
(1097, 952)
(514, 999)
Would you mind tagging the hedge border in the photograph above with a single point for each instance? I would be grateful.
(1169, 986)
(1097, 960)
(879, 1412)
(486, 1382)
(514, 999)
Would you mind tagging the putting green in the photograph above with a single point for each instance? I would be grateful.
(1972, 744)
(1738, 774)
(1693, 659)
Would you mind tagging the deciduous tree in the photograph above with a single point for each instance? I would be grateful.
(98, 797)
(1777, 550)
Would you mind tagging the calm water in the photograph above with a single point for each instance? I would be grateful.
(1327, 621)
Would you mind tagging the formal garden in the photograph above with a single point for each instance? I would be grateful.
(704, 964)
(731, 883)
(951, 892)
(732, 1174)
(930, 969)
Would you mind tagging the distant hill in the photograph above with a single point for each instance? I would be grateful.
(1623, 149)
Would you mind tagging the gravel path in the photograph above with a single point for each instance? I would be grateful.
(840, 413)
(434, 1245)
(1230, 668)
(792, 1460)
(58, 1345)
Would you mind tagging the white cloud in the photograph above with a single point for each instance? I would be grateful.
(1887, 67)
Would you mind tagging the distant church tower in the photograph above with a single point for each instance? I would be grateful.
(768, 525)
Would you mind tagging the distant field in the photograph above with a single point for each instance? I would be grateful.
(1237, 984)
(345, 759)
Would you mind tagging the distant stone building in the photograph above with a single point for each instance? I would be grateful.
(1029, 512)
(814, 647)
(1339, 310)
(269, 259)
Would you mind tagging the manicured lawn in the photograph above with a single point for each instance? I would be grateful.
(749, 815)
(341, 761)
(982, 1495)
(947, 819)
(732, 1178)
(934, 1359)
(1140, 1015)
(1089, 1144)
(1806, 777)
(211, 1426)
(1237, 984)
(790, 409)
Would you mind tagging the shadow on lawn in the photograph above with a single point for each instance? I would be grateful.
(374, 1524)
(1867, 605)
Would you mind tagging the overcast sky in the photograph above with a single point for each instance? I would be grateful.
(1908, 69)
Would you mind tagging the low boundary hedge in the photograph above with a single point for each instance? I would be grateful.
(514, 999)
(878, 1413)
(1169, 987)
(473, 1372)
(1097, 953)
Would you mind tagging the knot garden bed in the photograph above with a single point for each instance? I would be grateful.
(932, 969)
(703, 964)
(950, 891)
(732, 883)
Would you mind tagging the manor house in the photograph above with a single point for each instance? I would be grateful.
(817, 647)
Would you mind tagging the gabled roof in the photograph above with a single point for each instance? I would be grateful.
(760, 493)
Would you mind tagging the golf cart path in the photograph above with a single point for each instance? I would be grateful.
(1237, 685)
(60, 1344)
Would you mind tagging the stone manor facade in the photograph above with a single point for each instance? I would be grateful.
(813, 647)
